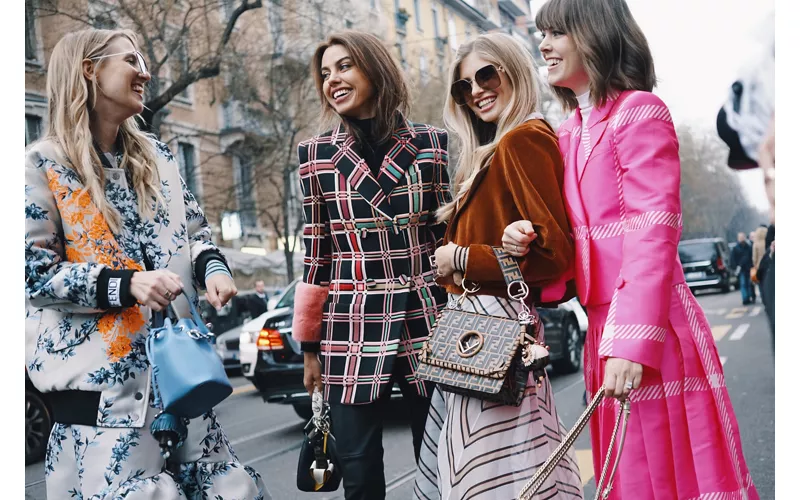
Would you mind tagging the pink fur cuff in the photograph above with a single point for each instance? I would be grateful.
(307, 321)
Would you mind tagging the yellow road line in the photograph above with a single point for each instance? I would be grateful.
(584, 458)
(243, 389)
(735, 315)
(720, 331)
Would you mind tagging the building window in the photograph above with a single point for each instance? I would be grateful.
(348, 24)
(31, 47)
(188, 168)
(451, 32)
(102, 15)
(401, 50)
(435, 21)
(275, 16)
(33, 128)
(417, 17)
(372, 4)
(179, 66)
(424, 76)
(243, 177)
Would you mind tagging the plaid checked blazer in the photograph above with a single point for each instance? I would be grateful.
(368, 241)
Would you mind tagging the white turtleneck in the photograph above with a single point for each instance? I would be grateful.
(585, 107)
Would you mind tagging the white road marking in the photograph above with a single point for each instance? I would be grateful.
(723, 359)
(719, 331)
(739, 332)
(755, 311)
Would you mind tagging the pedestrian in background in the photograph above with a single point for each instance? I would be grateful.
(257, 302)
(742, 261)
(509, 168)
(368, 300)
(112, 234)
(759, 252)
(648, 339)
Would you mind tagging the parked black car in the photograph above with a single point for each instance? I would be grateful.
(278, 373)
(706, 264)
(38, 422)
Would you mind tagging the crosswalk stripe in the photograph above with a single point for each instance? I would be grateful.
(755, 311)
(739, 332)
(723, 359)
(584, 458)
(719, 331)
(735, 314)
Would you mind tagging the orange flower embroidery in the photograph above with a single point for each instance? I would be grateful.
(88, 236)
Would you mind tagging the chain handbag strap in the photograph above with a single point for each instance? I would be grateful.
(533, 485)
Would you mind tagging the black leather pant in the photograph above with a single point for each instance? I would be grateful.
(359, 440)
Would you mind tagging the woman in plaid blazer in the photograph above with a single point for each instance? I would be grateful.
(371, 187)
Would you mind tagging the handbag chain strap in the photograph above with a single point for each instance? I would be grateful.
(533, 485)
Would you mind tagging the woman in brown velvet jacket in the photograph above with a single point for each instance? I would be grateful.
(510, 168)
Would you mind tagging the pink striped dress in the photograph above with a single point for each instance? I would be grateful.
(622, 186)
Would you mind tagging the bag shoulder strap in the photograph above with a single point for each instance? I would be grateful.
(512, 273)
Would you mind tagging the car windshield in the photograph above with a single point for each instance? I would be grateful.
(288, 298)
(695, 252)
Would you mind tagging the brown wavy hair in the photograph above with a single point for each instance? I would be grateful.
(371, 56)
(613, 47)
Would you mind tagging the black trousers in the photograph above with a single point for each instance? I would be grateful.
(359, 440)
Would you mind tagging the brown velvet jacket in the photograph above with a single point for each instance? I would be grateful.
(523, 182)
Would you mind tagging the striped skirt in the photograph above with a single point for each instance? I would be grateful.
(473, 449)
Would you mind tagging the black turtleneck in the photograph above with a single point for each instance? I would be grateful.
(371, 149)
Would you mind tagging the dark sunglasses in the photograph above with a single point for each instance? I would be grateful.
(487, 78)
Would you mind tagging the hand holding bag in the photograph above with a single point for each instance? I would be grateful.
(482, 356)
(318, 467)
(535, 483)
(187, 377)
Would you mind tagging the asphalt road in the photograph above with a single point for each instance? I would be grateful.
(268, 436)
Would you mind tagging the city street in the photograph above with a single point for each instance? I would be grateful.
(267, 436)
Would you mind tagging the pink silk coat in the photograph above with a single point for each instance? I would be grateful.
(624, 204)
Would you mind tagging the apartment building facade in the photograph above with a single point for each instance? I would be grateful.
(209, 124)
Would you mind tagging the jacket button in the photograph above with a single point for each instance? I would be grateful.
(138, 396)
(620, 282)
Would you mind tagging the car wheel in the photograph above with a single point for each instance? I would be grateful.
(38, 423)
(573, 348)
(303, 410)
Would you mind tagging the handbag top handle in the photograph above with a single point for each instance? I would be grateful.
(158, 317)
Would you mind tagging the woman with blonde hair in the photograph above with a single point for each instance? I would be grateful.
(111, 235)
(648, 340)
(509, 167)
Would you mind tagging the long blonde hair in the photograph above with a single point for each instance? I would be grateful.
(71, 98)
(478, 139)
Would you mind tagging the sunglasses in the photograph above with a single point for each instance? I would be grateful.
(487, 78)
(139, 59)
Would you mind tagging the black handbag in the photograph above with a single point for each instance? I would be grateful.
(482, 356)
(318, 468)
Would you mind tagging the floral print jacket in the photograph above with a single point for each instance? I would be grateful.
(70, 342)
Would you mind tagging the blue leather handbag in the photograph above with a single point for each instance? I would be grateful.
(188, 377)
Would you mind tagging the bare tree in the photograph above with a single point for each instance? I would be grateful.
(192, 38)
(712, 197)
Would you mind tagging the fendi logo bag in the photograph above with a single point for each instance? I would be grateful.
(482, 356)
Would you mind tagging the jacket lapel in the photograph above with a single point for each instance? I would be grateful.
(570, 142)
(353, 167)
(402, 153)
(598, 122)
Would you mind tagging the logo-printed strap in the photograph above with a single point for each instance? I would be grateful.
(509, 265)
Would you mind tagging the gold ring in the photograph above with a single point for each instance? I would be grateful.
(168, 295)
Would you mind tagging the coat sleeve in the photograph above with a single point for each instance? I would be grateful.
(534, 172)
(52, 280)
(645, 149)
(310, 296)
(441, 186)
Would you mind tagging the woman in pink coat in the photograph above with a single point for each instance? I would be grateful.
(648, 338)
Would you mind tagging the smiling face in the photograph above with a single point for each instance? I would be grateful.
(564, 65)
(345, 87)
(486, 104)
(120, 82)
